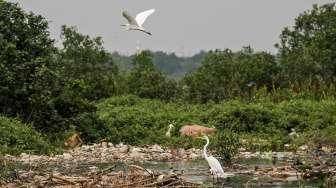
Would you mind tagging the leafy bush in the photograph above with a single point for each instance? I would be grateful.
(91, 127)
(146, 81)
(267, 117)
(133, 120)
(326, 137)
(27, 78)
(46, 87)
(16, 137)
(87, 68)
(225, 75)
(239, 116)
(307, 50)
(226, 145)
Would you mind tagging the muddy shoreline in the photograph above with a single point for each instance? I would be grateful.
(86, 161)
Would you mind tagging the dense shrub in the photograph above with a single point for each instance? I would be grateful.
(305, 115)
(326, 136)
(226, 145)
(91, 128)
(133, 120)
(146, 81)
(307, 50)
(46, 87)
(87, 68)
(242, 117)
(27, 78)
(226, 74)
(16, 137)
(268, 117)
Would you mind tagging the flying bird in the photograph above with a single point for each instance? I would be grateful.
(136, 24)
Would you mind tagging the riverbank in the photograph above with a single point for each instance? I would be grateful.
(87, 161)
(107, 152)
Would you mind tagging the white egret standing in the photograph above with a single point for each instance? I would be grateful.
(215, 167)
(169, 129)
(136, 24)
(293, 133)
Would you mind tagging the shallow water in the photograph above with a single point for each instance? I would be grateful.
(193, 171)
(198, 172)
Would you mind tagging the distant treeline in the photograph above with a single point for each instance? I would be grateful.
(170, 64)
(56, 89)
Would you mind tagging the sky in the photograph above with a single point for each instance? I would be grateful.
(181, 26)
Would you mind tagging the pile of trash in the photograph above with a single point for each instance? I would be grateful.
(135, 176)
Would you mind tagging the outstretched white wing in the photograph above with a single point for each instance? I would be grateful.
(142, 16)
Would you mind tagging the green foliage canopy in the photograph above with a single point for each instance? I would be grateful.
(27, 77)
(146, 81)
(88, 70)
(225, 74)
(308, 50)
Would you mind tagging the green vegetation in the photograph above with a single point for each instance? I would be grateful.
(250, 96)
(226, 145)
(308, 50)
(133, 120)
(146, 81)
(225, 75)
(169, 64)
(16, 137)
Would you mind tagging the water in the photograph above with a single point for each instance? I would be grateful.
(198, 172)
(192, 171)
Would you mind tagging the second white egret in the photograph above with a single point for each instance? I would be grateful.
(169, 129)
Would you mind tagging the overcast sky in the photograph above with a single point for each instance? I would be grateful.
(177, 25)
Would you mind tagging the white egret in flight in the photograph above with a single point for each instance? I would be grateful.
(215, 167)
(136, 24)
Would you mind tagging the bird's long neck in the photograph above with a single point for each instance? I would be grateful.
(205, 147)
(169, 130)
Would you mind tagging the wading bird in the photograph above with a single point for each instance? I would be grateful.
(136, 24)
(215, 167)
(169, 129)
